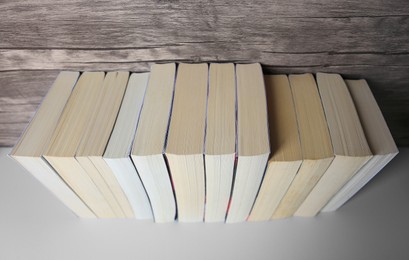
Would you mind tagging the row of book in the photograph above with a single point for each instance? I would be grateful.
(205, 142)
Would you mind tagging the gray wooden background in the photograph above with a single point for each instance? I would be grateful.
(359, 39)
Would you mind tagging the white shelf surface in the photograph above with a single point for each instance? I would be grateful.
(372, 225)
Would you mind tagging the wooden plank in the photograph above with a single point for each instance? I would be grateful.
(81, 9)
(141, 59)
(145, 24)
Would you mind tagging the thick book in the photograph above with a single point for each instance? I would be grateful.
(29, 149)
(379, 139)
(348, 139)
(61, 150)
(150, 139)
(286, 154)
(317, 152)
(117, 152)
(252, 140)
(185, 143)
(220, 147)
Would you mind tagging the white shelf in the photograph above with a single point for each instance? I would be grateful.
(373, 225)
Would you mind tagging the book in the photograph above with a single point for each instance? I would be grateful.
(61, 150)
(118, 150)
(348, 139)
(379, 139)
(253, 146)
(150, 140)
(317, 152)
(185, 142)
(95, 139)
(29, 149)
(205, 142)
(220, 146)
(286, 154)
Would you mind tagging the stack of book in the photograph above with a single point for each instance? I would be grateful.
(205, 142)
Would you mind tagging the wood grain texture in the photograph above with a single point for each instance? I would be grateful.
(141, 24)
(142, 59)
(359, 39)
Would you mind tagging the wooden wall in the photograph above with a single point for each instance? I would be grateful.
(359, 39)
